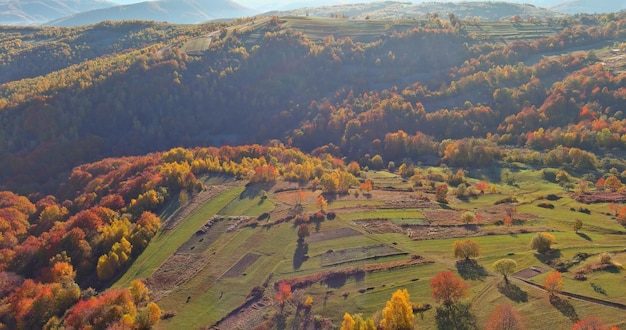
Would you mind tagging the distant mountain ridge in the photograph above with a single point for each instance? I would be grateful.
(36, 12)
(589, 6)
(172, 11)
(488, 11)
(83, 12)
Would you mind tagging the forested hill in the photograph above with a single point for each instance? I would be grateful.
(343, 85)
(91, 120)
(487, 11)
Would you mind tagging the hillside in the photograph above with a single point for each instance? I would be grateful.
(36, 12)
(280, 172)
(573, 7)
(389, 10)
(172, 11)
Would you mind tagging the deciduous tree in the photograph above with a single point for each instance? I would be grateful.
(542, 242)
(303, 231)
(366, 186)
(321, 202)
(590, 323)
(553, 283)
(348, 322)
(398, 313)
(504, 317)
(505, 267)
(578, 225)
(468, 216)
(612, 183)
(447, 288)
(465, 249)
(441, 193)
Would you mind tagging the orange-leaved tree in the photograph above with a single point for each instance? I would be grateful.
(441, 193)
(504, 317)
(448, 288)
(321, 202)
(590, 323)
(553, 283)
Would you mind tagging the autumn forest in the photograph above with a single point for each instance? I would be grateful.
(123, 142)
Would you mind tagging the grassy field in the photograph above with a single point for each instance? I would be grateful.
(249, 256)
(318, 28)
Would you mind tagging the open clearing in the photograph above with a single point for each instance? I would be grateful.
(240, 267)
(332, 258)
(333, 234)
(391, 222)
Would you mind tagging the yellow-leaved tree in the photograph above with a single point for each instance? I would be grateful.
(398, 313)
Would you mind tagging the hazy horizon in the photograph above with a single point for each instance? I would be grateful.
(277, 4)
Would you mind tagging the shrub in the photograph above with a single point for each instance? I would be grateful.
(542, 242)
(546, 205)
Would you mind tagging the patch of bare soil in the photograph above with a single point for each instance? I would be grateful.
(379, 226)
(333, 234)
(443, 217)
(210, 192)
(615, 60)
(240, 267)
(530, 272)
(177, 269)
(441, 232)
(600, 197)
(490, 215)
(246, 317)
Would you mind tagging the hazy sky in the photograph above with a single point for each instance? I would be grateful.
(270, 4)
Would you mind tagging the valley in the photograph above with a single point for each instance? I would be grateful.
(306, 172)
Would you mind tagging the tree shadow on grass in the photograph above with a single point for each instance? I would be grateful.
(458, 316)
(254, 190)
(584, 236)
(336, 281)
(469, 269)
(300, 255)
(565, 307)
(549, 255)
(513, 292)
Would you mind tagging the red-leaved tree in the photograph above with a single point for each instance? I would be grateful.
(448, 288)
(504, 317)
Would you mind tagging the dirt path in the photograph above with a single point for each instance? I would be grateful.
(574, 295)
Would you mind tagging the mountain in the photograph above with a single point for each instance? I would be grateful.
(36, 12)
(172, 11)
(589, 6)
(489, 11)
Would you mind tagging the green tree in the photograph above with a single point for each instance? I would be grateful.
(398, 313)
(376, 162)
(505, 267)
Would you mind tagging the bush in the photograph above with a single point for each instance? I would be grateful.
(506, 200)
(546, 205)
(542, 242)
(605, 258)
